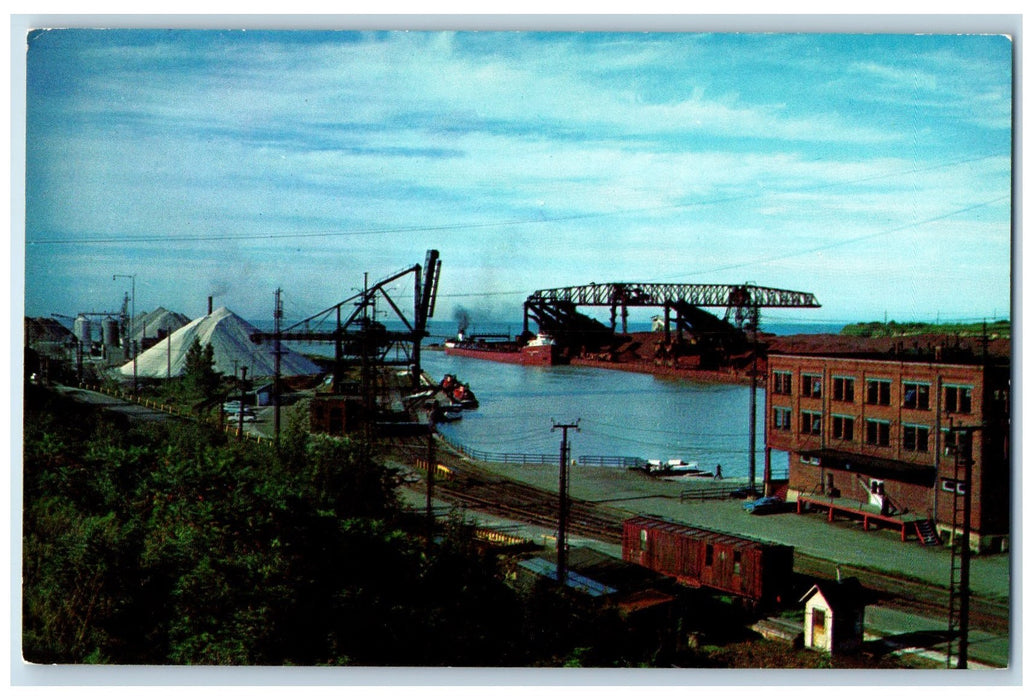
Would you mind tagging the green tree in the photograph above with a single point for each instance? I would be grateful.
(200, 371)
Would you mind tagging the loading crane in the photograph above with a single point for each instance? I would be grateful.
(358, 337)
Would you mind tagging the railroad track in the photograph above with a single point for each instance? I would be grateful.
(478, 489)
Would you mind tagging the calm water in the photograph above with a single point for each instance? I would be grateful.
(621, 414)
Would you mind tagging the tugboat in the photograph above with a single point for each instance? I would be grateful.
(460, 394)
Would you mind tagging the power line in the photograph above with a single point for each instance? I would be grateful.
(480, 225)
(837, 244)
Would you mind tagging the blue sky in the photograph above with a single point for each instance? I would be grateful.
(871, 170)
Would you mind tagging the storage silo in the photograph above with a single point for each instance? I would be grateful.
(109, 332)
(83, 329)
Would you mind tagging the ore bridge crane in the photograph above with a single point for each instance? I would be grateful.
(556, 313)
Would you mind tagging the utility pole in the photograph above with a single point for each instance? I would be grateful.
(754, 321)
(132, 320)
(240, 415)
(277, 317)
(432, 459)
(561, 535)
(961, 553)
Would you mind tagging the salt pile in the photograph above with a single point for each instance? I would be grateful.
(147, 324)
(230, 338)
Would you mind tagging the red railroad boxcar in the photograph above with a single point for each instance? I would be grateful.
(759, 572)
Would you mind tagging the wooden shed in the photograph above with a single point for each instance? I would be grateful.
(834, 616)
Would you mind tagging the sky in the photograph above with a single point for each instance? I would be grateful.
(874, 171)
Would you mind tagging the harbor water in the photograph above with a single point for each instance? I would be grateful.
(619, 414)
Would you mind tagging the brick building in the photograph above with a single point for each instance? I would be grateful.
(886, 434)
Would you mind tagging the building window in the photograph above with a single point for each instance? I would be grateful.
(952, 486)
(878, 392)
(810, 423)
(916, 395)
(811, 385)
(643, 540)
(780, 418)
(956, 442)
(843, 427)
(957, 399)
(709, 556)
(877, 432)
(916, 438)
(843, 389)
(736, 563)
(783, 383)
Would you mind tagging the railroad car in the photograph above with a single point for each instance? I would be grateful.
(758, 572)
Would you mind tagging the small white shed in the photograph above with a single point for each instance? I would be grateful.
(834, 616)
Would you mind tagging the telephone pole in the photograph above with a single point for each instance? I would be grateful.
(561, 535)
(277, 318)
(431, 468)
(240, 415)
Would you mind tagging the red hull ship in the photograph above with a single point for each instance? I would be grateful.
(540, 351)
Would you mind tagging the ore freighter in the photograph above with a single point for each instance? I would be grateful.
(539, 350)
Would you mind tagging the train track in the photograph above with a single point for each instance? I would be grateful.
(478, 489)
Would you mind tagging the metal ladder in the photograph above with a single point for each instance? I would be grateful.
(957, 618)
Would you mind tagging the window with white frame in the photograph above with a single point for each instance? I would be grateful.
(843, 389)
(780, 418)
(782, 383)
(877, 432)
(843, 427)
(915, 438)
(877, 392)
(957, 399)
(810, 423)
(810, 385)
(916, 395)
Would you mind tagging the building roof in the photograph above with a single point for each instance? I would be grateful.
(548, 569)
(877, 467)
(946, 349)
(841, 596)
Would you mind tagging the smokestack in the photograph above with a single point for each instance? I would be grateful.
(209, 306)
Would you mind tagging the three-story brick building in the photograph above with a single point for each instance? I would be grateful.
(889, 432)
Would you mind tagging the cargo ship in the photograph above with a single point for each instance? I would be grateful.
(539, 350)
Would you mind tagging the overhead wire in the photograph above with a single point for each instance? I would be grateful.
(221, 237)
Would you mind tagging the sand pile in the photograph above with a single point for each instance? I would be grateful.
(230, 338)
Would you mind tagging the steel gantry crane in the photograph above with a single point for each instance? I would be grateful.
(556, 310)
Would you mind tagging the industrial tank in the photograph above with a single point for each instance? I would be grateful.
(83, 329)
(109, 332)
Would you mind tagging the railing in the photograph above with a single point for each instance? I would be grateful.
(604, 461)
(230, 427)
(501, 457)
(711, 492)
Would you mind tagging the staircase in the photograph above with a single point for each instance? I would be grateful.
(927, 533)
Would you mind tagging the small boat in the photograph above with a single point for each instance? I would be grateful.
(673, 469)
(450, 413)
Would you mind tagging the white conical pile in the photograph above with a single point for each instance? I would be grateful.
(230, 338)
(148, 324)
